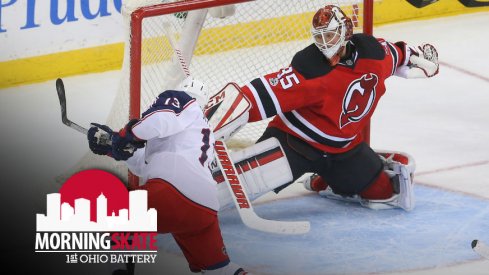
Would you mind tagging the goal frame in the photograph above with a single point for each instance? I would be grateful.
(139, 14)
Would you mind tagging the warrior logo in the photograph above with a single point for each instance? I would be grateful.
(358, 99)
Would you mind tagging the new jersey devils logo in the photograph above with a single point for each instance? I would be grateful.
(358, 99)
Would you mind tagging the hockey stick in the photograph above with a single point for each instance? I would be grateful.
(480, 248)
(103, 137)
(236, 188)
(60, 88)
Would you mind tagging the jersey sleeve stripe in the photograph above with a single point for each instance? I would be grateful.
(304, 131)
(272, 95)
(295, 129)
(319, 132)
(258, 101)
(266, 96)
(188, 103)
(395, 57)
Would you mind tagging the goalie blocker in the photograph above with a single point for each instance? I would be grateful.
(227, 111)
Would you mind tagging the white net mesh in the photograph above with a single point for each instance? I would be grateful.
(261, 37)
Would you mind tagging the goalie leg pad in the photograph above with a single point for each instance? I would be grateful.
(400, 168)
(262, 167)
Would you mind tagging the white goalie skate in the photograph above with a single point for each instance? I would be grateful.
(400, 168)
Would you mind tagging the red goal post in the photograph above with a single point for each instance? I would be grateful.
(260, 37)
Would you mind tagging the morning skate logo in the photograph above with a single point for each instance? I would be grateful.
(94, 219)
(359, 99)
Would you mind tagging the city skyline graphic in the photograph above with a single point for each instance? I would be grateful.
(62, 217)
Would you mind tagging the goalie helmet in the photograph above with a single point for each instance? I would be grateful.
(331, 30)
(195, 88)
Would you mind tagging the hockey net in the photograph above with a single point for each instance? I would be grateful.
(260, 37)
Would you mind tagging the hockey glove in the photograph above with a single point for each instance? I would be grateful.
(422, 62)
(426, 60)
(124, 143)
(99, 137)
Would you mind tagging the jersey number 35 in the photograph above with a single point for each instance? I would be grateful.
(287, 78)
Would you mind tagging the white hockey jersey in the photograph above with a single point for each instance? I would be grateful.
(179, 147)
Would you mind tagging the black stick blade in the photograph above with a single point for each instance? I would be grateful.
(474, 243)
(60, 88)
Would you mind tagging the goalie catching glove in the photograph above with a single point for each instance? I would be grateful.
(419, 63)
(120, 146)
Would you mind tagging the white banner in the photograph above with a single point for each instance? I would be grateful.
(32, 28)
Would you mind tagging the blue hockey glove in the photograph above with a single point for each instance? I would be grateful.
(99, 139)
(124, 143)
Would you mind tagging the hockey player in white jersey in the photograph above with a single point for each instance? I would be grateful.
(171, 148)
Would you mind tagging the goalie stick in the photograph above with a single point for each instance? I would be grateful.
(243, 203)
(236, 188)
(480, 248)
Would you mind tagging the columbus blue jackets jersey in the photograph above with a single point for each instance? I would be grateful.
(179, 147)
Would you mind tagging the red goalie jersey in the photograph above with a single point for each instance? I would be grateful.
(327, 106)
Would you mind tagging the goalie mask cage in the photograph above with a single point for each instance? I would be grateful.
(258, 38)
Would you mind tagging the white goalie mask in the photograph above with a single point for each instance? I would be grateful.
(195, 88)
(331, 30)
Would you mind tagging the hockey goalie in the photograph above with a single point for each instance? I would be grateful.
(264, 167)
(319, 105)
